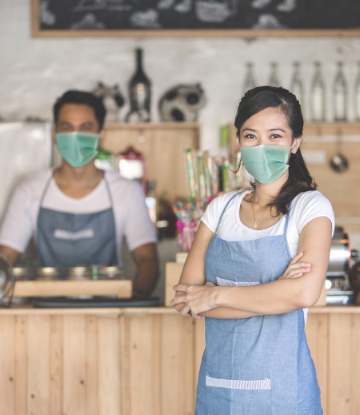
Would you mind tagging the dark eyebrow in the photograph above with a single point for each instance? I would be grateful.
(88, 122)
(277, 129)
(249, 129)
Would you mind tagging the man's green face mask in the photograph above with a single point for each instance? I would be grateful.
(266, 163)
(78, 148)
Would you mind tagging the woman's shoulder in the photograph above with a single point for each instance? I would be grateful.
(310, 205)
(313, 197)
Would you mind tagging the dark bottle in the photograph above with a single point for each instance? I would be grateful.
(140, 93)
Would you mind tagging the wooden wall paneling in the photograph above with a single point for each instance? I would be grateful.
(21, 359)
(38, 368)
(162, 145)
(56, 364)
(316, 329)
(355, 365)
(7, 365)
(177, 375)
(170, 169)
(339, 188)
(199, 346)
(124, 332)
(140, 354)
(156, 350)
(91, 365)
(109, 378)
(340, 362)
(118, 140)
(74, 373)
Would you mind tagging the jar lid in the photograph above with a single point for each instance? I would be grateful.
(20, 272)
(77, 270)
(110, 270)
(47, 271)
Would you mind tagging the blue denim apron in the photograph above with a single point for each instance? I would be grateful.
(70, 240)
(259, 365)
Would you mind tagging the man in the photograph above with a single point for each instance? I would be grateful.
(79, 214)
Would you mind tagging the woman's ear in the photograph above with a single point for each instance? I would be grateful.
(53, 136)
(296, 145)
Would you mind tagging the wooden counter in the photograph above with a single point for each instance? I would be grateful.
(143, 361)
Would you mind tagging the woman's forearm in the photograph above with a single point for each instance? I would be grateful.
(225, 313)
(277, 297)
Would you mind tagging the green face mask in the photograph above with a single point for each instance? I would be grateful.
(266, 163)
(78, 148)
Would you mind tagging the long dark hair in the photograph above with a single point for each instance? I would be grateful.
(260, 98)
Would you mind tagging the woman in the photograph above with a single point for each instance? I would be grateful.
(259, 260)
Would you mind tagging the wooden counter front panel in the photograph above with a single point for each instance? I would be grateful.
(96, 365)
(139, 363)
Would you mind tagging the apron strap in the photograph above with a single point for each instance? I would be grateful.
(109, 192)
(113, 212)
(287, 220)
(46, 189)
(222, 213)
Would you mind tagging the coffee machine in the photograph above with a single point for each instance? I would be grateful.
(338, 290)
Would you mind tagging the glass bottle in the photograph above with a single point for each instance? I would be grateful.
(249, 79)
(139, 92)
(296, 85)
(357, 95)
(318, 95)
(340, 95)
(274, 77)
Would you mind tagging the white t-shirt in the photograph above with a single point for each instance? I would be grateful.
(131, 213)
(304, 207)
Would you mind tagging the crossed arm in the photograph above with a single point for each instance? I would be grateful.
(299, 287)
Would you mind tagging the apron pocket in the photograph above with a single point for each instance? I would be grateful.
(240, 397)
(264, 384)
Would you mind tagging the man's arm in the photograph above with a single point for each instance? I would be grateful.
(147, 273)
(11, 254)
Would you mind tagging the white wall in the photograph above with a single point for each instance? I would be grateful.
(34, 72)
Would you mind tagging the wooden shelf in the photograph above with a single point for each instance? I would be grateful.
(332, 128)
(152, 126)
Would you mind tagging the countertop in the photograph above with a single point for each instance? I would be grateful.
(141, 311)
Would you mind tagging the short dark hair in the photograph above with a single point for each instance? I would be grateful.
(260, 98)
(81, 98)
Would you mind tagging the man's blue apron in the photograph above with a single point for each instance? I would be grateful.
(259, 365)
(70, 240)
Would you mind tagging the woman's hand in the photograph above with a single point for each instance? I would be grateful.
(197, 299)
(296, 268)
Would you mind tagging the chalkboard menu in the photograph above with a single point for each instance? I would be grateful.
(198, 15)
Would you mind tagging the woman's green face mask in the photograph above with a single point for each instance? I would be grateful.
(78, 148)
(266, 163)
